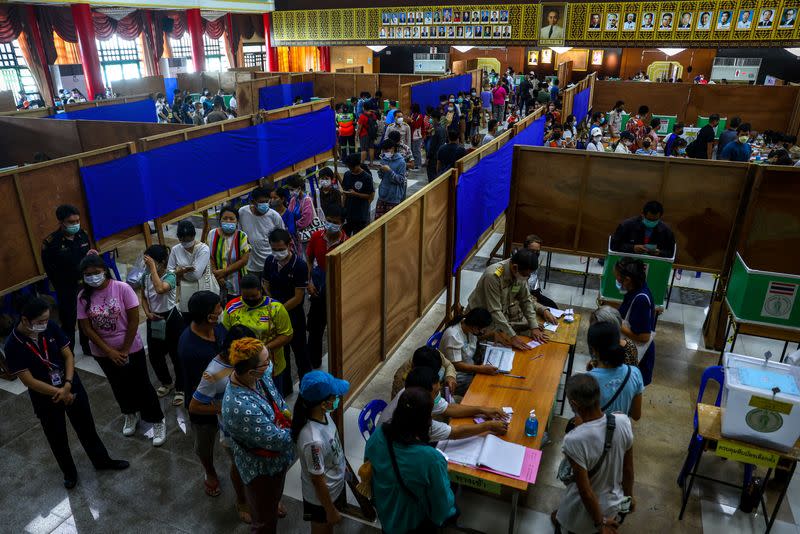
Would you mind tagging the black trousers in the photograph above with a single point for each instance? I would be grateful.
(544, 301)
(131, 386)
(54, 423)
(68, 315)
(431, 168)
(298, 347)
(317, 320)
(159, 348)
(353, 227)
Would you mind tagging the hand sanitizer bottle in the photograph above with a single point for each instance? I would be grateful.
(532, 425)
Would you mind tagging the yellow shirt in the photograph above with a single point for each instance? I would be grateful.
(268, 320)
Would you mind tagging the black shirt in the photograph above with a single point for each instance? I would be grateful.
(195, 353)
(284, 280)
(448, 155)
(699, 147)
(632, 232)
(357, 208)
(61, 257)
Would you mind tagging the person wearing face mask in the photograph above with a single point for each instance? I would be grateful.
(626, 141)
(646, 149)
(37, 351)
(108, 312)
(190, 261)
(669, 141)
(738, 150)
(595, 142)
(402, 149)
(615, 118)
(476, 106)
(329, 191)
(302, 206)
(638, 312)
(534, 243)
(570, 131)
(465, 112)
(418, 134)
(266, 317)
(286, 278)
(503, 290)
(322, 460)
(399, 125)
(230, 252)
(258, 420)
(645, 233)
(392, 189)
(164, 321)
(556, 137)
(62, 252)
(257, 220)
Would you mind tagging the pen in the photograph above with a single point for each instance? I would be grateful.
(512, 376)
(537, 357)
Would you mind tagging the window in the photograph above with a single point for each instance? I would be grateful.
(119, 59)
(216, 58)
(183, 48)
(14, 73)
(255, 56)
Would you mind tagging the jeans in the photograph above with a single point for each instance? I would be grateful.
(131, 386)
(498, 112)
(159, 348)
(263, 494)
(416, 150)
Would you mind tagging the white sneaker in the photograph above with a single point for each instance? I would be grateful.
(178, 399)
(164, 390)
(131, 421)
(159, 433)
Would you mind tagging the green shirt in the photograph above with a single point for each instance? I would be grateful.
(268, 320)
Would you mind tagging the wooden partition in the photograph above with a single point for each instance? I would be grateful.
(149, 85)
(404, 96)
(352, 70)
(568, 94)
(29, 113)
(404, 256)
(764, 107)
(106, 102)
(564, 73)
(8, 101)
(575, 199)
(247, 93)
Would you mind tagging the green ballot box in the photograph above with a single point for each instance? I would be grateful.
(763, 297)
(659, 271)
(666, 123)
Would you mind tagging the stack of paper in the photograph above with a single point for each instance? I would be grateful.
(556, 312)
(500, 357)
(552, 327)
(487, 451)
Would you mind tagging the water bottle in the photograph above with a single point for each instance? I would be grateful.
(532, 425)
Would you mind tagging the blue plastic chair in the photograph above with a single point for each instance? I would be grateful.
(717, 374)
(368, 418)
(435, 339)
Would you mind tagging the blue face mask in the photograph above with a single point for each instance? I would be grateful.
(228, 227)
(72, 229)
(262, 207)
(333, 228)
(650, 224)
(437, 399)
(619, 287)
(335, 407)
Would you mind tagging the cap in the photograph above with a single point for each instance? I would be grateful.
(596, 131)
(317, 386)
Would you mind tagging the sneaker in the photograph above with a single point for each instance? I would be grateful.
(164, 390)
(131, 421)
(159, 433)
(113, 465)
(178, 399)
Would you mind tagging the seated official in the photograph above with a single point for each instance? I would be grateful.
(427, 378)
(460, 345)
(534, 243)
(645, 233)
(449, 376)
(503, 290)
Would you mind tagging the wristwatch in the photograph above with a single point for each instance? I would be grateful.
(68, 380)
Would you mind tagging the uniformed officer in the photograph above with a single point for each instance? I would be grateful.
(503, 290)
(62, 252)
(37, 351)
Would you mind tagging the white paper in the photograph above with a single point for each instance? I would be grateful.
(508, 409)
(533, 344)
(462, 451)
(551, 327)
(556, 312)
(502, 456)
(500, 357)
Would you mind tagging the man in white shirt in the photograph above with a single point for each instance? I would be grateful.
(630, 22)
(745, 19)
(603, 481)
(552, 30)
(490, 133)
(257, 220)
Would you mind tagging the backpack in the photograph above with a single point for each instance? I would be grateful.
(372, 126)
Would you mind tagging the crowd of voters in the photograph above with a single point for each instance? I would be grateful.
(231, 305)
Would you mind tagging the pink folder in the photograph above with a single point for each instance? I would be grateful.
(530, 467)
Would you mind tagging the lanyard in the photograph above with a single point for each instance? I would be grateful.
(45, 359)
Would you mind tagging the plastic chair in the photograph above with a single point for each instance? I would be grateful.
(435, 339)
(717, 374)
(368, 418)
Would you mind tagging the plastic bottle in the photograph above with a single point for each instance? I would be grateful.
(532, 425)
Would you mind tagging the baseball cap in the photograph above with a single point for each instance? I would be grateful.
(596, 131)
(317, 386)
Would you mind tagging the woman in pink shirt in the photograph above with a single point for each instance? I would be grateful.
(108, 313)
(499, 94)
(301, 204)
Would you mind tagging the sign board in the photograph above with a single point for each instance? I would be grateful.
(746, 454)
(779, 300)
(475, 483)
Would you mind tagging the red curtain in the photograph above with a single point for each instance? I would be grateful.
(178, 24)
(58, 20)
(127, 28)
(215, 28)
(10, 23)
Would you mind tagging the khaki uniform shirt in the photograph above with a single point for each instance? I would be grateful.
(400, 375)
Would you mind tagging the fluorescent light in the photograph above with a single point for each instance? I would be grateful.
(795, 51)
(376, 48)
(672, 51)
(463, 49)
(560, 49)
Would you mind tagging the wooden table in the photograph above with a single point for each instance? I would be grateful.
(536, 391)
(566, 334)
(709, 427)
(785, 334)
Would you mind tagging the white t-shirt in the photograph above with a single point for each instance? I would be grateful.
(198, 258)
(592, 147)
(320, 452)
(164, 302)
(584, 445)
(621, 148)
(257, 229)
(457, 345)
(439, 430)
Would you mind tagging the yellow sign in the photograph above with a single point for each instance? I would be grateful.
(475, 483)
(772, 405)
(746, 454)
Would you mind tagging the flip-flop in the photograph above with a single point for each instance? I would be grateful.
(212, 488)
(244, 513)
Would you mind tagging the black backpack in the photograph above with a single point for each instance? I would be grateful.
(372, 126)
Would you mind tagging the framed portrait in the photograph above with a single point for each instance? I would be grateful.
(447, 14)
(406, 33)
(629, 24)
(745, 19)
(494, 17)
(612, 22)
(487, 32)
(533, 57)
(478, 31)
(466, 16)
(666, 21)
(766, 19)
(395, 19)
(424, 32)
(419, 17)
(547, 55)
(597, 58)
(411, 18)
(386, 18)
(428, 18)
(476, 17)
(506, 32)
(724, 19)
(704, 20)
(484, 15)
(382, 33)
(685, 21)
(442, 31)
(434, 32)
(402, 17)
(497, 32)
(648, 21)
(437, 16)
(457, 17)
(503, 15)
(415, 32)
(594, 22)
(460, 31)
(578, 56)
(468, 32)
(553, 24)
(788, 18)
(451, 31)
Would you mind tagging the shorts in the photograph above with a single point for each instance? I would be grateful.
(365, 142)
(315, 513)
(205, 434)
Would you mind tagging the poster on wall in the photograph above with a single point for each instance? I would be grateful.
(597, 58)
(547, 56)
(449, 23)
(552, 24)
(533, 57)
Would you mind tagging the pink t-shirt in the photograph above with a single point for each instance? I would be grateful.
(108, 314)
(499, 95)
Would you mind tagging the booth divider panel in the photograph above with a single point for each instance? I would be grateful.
(366, 82)
(390, 86)
(19, 265)
(764, 107)
(661, 98)
(138, 86)
(21, 137)
(403, 233)
(435, 242)
(345, 87)
(324, 84)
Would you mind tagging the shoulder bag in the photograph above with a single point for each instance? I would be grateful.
(641, 348)
(207, 282)
(565, 473)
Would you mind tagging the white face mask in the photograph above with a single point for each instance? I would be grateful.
(399, 120)
(280, 255)
(324, 183)
(187, 244)
(94, 280)
(38, 327)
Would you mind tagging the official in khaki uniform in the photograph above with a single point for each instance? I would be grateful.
(503, 290)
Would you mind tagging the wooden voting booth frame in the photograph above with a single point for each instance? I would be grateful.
(568, 94)
(774, 108)
(150, 85)
(575, 199)
(214, 81)
(405, 89)
(33, 192)
(108, 102)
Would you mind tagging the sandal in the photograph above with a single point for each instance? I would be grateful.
(244, 513)
(178, 399)
(212, 488)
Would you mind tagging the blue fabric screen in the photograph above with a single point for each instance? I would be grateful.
(141, 111)
(170, 84)
(483, 191)
(427, 94)
(280, 96)
(580, 105)
(129, 191)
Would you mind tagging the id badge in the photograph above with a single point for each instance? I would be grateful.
(55, 377)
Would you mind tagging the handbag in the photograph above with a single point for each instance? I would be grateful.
(640, 347)
(565, 472)
(304, 234)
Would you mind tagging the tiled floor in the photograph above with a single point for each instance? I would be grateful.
(162, 491)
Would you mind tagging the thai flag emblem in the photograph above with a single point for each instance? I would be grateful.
(779, 300)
